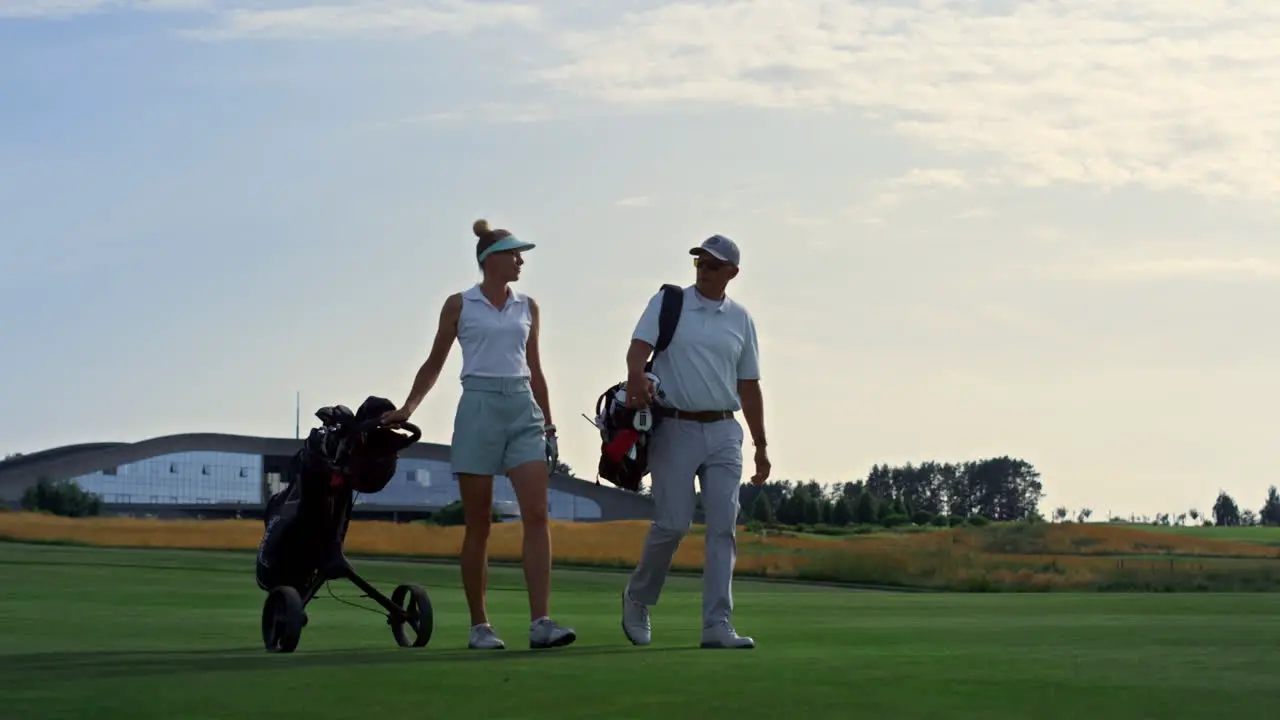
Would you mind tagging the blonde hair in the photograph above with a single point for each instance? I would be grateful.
(486, 236)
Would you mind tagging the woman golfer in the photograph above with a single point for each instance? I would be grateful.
(502, 426)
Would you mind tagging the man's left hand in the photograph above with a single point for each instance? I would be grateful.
(763, 466)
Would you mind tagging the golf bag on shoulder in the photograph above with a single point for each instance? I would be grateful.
(624, 431)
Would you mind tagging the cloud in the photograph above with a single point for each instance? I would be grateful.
(365, 18)
(1005, 319)
(930, 177)
(1212, 268)
(1099, 266)
(1018, 318)
(1159, 94)
(893, 192)
(493, 113)
(974, 213)
(246, 19)
(1179, 95)
(61, 9)
(48, 8)
(631, 202)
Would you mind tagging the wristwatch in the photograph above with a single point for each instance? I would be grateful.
(549, 430)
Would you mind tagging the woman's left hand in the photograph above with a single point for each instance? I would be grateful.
(396, 417)
(553, 448)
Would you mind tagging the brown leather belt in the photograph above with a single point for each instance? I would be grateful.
(702, 416)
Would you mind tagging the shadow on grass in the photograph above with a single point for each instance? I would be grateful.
(331, 588)
(112, 664)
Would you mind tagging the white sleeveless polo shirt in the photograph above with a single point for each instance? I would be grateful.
(494, 340)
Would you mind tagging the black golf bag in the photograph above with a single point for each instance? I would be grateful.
(306, 522)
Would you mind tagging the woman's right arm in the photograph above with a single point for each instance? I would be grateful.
(446, 333)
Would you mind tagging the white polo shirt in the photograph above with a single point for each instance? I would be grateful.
(714, 347)
(494, 342)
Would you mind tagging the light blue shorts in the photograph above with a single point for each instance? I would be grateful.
(498, 426)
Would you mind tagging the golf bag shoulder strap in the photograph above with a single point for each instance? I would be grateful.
(668, 318)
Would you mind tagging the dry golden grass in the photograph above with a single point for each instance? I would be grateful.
(1101, 539)
(615, 543)
(1041, 538)
(1024, 557)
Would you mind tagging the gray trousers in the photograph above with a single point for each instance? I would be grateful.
(679, 450)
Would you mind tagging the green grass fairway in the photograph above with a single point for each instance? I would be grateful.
(96, 634)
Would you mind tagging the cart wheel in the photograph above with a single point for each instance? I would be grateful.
(282, 619)
(417, 614)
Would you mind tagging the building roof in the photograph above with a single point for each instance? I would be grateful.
(69, 461)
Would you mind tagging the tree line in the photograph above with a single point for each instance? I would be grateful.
(999, 489)
(1226, 513)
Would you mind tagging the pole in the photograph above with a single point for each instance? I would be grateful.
(297, 415)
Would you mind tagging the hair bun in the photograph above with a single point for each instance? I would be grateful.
(480, 227)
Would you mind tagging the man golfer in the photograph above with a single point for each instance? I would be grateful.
(710, 371)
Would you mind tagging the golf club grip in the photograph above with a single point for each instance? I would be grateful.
(373, 424)
(414, 431)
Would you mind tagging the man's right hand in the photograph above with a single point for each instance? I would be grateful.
(763, 466)
(639, 391)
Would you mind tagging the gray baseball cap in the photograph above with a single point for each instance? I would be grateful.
(720, 247)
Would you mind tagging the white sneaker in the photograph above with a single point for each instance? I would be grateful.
(483, 637)
(723, 636)
(635, 619)
(547, 633)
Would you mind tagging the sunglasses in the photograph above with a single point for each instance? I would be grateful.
(709, 264)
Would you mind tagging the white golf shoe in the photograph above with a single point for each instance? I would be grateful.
(723, 636)
(547, 633)
(483, 637)
(635, 619)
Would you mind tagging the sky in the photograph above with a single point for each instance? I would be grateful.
(968, 229)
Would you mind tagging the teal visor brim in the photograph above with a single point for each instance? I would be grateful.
(509, 242)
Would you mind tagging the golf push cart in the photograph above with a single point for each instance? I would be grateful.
(306, 525)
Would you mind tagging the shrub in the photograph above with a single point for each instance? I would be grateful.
(895, 520)
(62, 497)
(939, 521)
(453, 514)
(978, 521)
(825, 529)
(922, 517)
